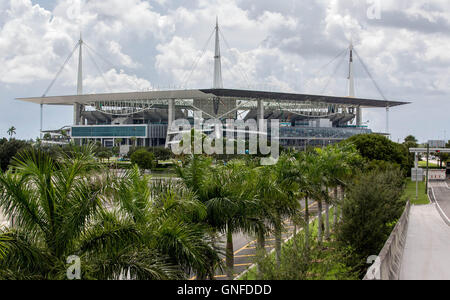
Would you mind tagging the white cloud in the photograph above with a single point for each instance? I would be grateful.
(113, 81)
(125, 60)
(278, 45)
(34, 42)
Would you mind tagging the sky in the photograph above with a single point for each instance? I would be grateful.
(283, 45)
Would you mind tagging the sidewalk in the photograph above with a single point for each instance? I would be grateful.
(427, 250)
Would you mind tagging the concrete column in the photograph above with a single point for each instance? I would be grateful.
(171, 114)
(358, 116)
(76, 114)
(260, 115)
(171, 118)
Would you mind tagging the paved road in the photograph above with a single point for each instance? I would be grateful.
(427, 250)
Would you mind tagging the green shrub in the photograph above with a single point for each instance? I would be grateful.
(374, 201)
(320, 262)
(105, 155)
(160, 153)
(144, 159)
(9, 149)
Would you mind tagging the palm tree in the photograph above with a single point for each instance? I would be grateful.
(309, 179)
(262, 211)
(330, 165)
(281, 202)
(11, 131)
(118, 142)
(64, 134)
(171, 218)
(47, 136)
(338, 164)
(58, 212)
(133, 140)
(195, 174)
(229, 198)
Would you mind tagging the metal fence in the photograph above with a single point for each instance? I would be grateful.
(388, 263)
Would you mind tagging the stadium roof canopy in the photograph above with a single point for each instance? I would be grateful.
(210, 94)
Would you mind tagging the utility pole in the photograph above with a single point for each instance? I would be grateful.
(428, 155)
(416, 165)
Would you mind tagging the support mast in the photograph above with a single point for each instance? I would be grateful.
(80, 69)
(218, 84)
(351, 80)
(77, 107)
(351, 86)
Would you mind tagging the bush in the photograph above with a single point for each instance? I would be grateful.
(144, 159)
(9, 149)
(105, 155)
(160, 153)
(300, 263)
(373, 204)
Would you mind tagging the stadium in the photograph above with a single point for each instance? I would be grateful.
(144, 118)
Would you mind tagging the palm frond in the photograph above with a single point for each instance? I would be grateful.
(141, 264)
(24, 255)
(187, 245)
(20, 202)
(110, 235)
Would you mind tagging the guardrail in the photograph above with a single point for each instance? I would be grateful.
(388, 263)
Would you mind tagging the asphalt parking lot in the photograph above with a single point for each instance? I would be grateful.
(245, 247)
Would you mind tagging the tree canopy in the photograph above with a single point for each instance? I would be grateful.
(375, 147)
(8, 149)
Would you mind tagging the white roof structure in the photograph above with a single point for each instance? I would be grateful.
(210, 94)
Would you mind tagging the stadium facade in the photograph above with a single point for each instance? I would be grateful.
(144, 118)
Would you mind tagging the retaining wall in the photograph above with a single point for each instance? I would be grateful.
(387, 264)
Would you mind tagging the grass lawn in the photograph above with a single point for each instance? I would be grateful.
(410, 192)
(423, 164)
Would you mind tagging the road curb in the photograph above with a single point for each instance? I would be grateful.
(439, 209)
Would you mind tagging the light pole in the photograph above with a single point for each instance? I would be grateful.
(416, 163)
(428, 155)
